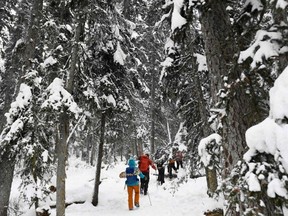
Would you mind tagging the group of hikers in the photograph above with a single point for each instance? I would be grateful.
(143, 171)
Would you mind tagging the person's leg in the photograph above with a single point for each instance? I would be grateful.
(161, 175)
(137, 191)
(170, 171)
(130, 197)
(159, 179)
(177, 164)
(147, 184)
(175, 169)
(142, 184)
(146, 181)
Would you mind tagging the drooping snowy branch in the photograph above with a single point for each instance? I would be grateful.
(22, 101)
(264, 47)
(57, 97)
(14, 118)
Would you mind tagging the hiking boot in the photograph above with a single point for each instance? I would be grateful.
(137, 205)
(145, 192)
(130, 209)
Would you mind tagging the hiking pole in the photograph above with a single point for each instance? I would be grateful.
(149, 198)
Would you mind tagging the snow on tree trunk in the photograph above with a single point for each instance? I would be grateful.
(209, 152)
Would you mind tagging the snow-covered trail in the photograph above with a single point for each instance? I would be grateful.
(189, 198)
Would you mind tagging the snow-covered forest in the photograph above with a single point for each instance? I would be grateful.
(86, 85)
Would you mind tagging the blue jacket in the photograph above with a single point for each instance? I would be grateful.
(131, 174)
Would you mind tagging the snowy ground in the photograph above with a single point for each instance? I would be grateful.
(189, 198)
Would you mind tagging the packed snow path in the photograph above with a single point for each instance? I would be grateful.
(189, 198)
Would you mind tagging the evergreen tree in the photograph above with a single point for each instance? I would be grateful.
(263, 58)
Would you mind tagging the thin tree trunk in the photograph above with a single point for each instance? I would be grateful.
(99, 160)
(33, 36)
(169, 132)
(93, 150)
(64, 123)
(280, 17)
(211, 178)
(7, 166)
(61, 164)
(153, 115)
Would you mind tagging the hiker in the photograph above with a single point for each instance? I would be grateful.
(144, 163)
(171, 165)
(179, 160)
(132, 183)
(161, 172)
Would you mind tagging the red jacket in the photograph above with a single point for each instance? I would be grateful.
(144, 163)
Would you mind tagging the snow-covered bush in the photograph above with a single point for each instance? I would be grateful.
(209, 150)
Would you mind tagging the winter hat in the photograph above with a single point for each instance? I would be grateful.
(131, 163)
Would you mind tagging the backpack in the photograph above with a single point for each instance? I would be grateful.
(131, 175)
(144, 164)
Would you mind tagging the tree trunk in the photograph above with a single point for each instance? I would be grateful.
(10, 85)
(168, 131)
(33, 36)
(211, 174)
(126, 9)
(99, 160)
(62, 151)
(240, 109)
(280, 17)
(211, 178)
(94, 145)
(7, 166)
(152, 150)
(61, 164)
(220, 48)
